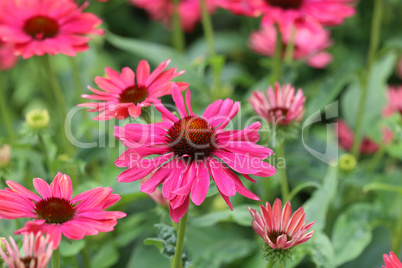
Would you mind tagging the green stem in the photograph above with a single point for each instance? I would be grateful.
(58, 93)
(46, 152)
(178, 35)
(76, 77)
(56, 258)
(5, 110)
(290, 48)
(300, 187)
(277, 60)
(270, 263)
(396, 241)
(207, 27)
(373, 47)
(282, 172)
(176, 261)
(376, 159)
(86, 258)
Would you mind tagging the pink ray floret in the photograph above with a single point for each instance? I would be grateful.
(123, 95)
(38, 27)
(37, 252)
(391, 261)
(56, 212)
(278, 227)
(190, 150)
(281, 105)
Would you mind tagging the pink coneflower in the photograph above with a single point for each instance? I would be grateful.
(37, 252)
(309, 39)
(278, 227)
(346, 139)
(391, 261)
(281, 105)
(326, 12)
(192, 149)
(394, 103)
(162, 10)
(7, 57)
(122, 96)
(240, 7)
(56, 213)
(38, 27)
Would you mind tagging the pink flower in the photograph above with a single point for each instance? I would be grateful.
(7, 57)
(326, 12)
(394, 104)
(192, 149)
(278, 227)
(157, 196)
(37, 27)
(391, 261)
(121, 96)
(346, 139)
(162, 10)
(56, 213)
(37, 248)
(281, 105)
(310, 41)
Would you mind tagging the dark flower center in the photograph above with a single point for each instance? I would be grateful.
(41, 27)
(133, 95)
(191, 136)
(273, 236)
(279, 113)
(286, 4)
(27, 261)
(54, 210)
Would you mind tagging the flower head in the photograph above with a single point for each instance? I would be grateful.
(38, 251)
(391, 261)
(281, 105)
(55, 212)
(326, 12)
(162, 10)
(37, 119)
(192, 149)
(122, 96)
(38, 27)
(309, 38)
(279, 228)
(394, 104)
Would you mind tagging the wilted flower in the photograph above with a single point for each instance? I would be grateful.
(37, 252)
(391, 261)
(5, 154)
(192, 149)
(162, 10)
(55, 212)
(281, 105)
(38, 27)
(309, 39)
(279, 229)
(37, 119)
(122, 96)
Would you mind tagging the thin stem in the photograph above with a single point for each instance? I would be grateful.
(178, 35)
(58, 93)
(56, 258)
(376, 158)
(396, 241)
(282, 171)
(290, 48)
(277, 60)
(207, 27)
(176, 261)
(5, 111)
(86, 258)
(76, 77)
(270, 263)
(302, 186)
(373, 47)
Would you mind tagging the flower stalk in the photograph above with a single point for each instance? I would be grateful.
(5, 111)
(282, 172)
(207, 27)
(56, 258)
(178, 35)
(181, 231)
(277, 60)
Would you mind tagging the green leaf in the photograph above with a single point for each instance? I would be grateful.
(352, 232)
(71, 247)
(158, 243)
(322, 251)
(106, 256)
(317, 206)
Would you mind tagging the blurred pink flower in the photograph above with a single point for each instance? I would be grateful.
(192, 149)
(346, 138)
(37, 252)
(391, 261)
(394, 103)
(310, 41)
(7, 57)
(162, 10)
(55, 212)
(326, 12)
(122, 96)
(38, 27)
(281, 105)
(278, 228)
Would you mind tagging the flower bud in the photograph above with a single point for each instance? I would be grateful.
(37, 119)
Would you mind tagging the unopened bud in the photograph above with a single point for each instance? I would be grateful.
(347, 163)
(37, 119)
